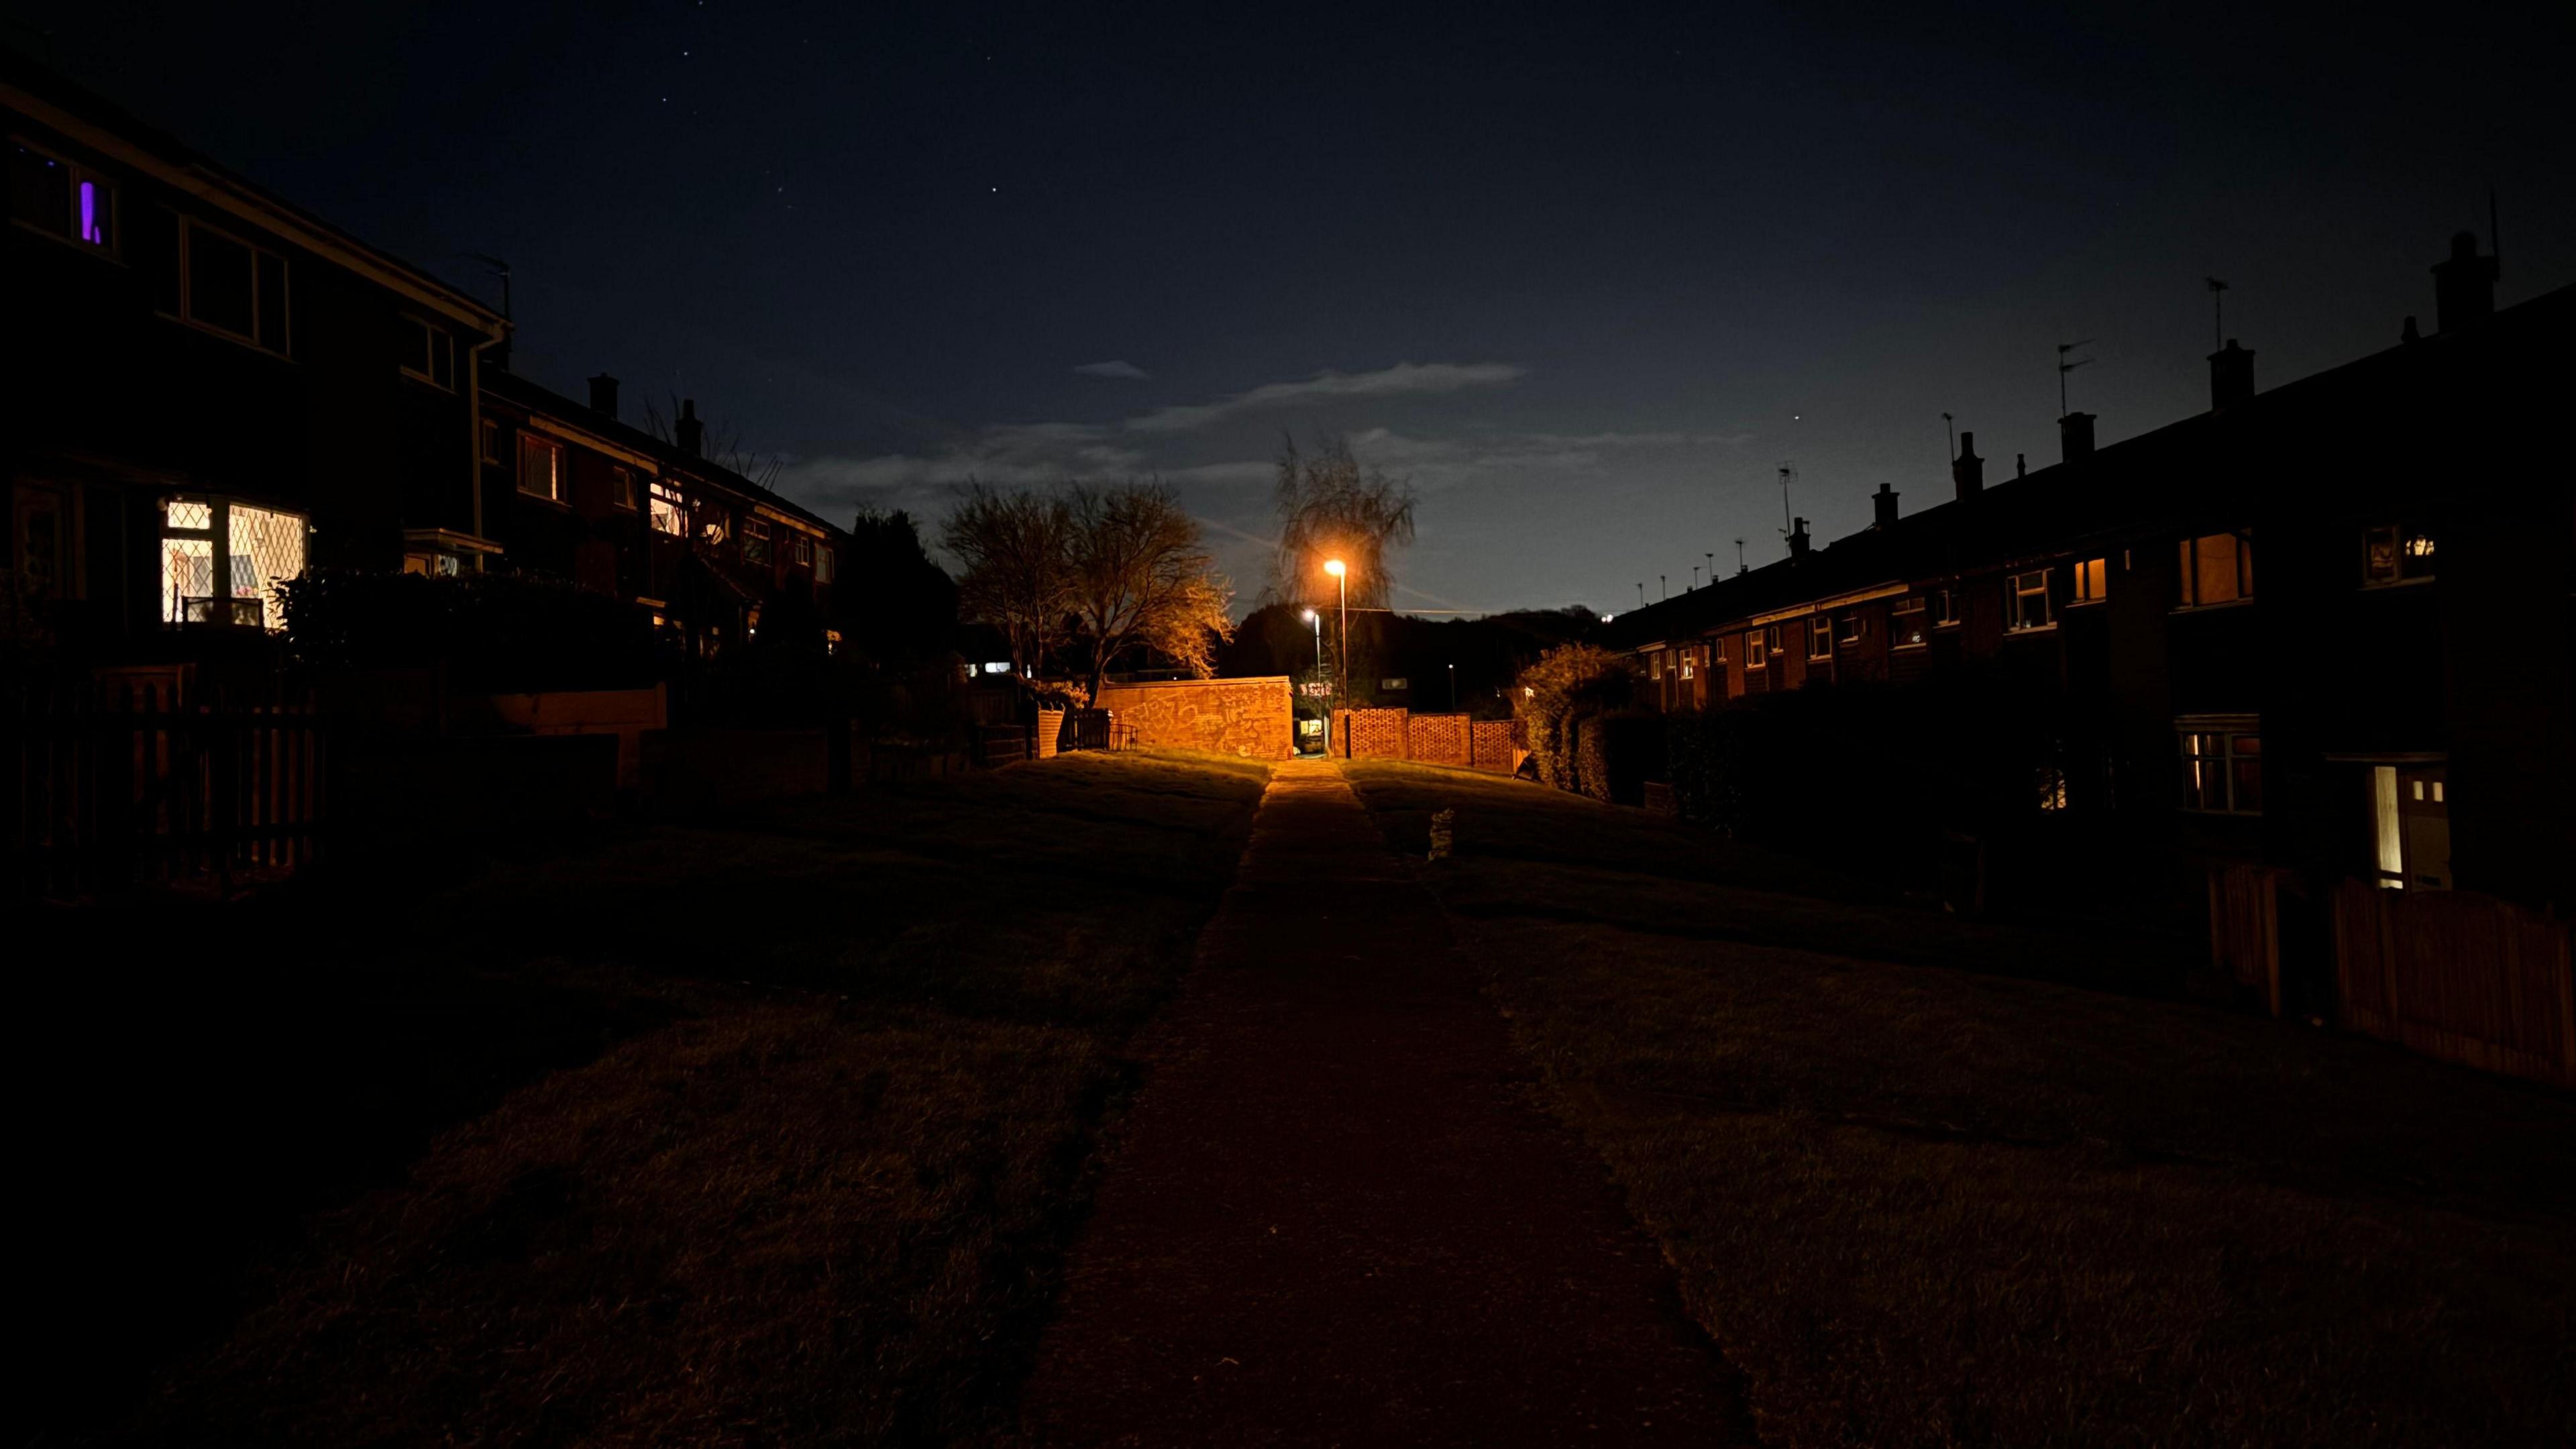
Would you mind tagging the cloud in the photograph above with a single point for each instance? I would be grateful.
(1403, 379)
(1126, 370)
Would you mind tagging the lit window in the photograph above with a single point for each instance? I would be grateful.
(1908, 621)
(831, 641)
(2395, 554)
(428, 352)
(667, 510)
(715, 524)
(1655, 665)
(2092, 581)
(61, 198)
(2223, 771)
(2217, 568)
(2029, 602)
(540, 467)
(2412, 824)
(229, 286)
(621, 487)
(755, 541)
(234, 584)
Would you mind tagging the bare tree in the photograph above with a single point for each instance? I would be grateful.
(1142, 575)
(1017, 573)
(1331, 506)
(722, 445)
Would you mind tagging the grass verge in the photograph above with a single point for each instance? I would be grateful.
(761, 1133)
(1919, 1204)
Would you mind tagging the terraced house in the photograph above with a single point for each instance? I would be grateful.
(579, 494)
(211, 388)
(2321, 631)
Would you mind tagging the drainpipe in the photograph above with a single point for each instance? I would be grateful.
(474, 428)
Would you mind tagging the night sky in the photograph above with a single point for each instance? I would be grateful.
(1589, 277)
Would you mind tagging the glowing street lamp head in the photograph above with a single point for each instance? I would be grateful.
(1308, 616)
(1333, 566)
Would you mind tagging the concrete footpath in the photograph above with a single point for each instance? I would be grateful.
(1335, 1216)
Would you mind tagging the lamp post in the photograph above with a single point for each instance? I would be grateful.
(1342, 576)
(1318, 621)
(1453, 689)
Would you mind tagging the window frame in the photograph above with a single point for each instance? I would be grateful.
(2092, 578)
(2188, 583)
(754, 538)
(185, 259)
(76, 175)
(442, 348)
(554, 449)
(2226, 731)
(491, 443)
(665, 500)
(1945, 607)
(2402, 540)
(2015, 591)
(1849, 629)
(1756, 655)
(219, 513)
(1896, 628)
(621, 487)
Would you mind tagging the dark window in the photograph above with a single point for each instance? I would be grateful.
(1945, 608)
(1755, 655)
(220, 283)
(491, 441)
(2223, 771)
(1850, 630)
(755, 541)
(540, 467)
(1820, 637)
(804, 551)
(157, 253)
(823, 565)
(428, 352)
(621, 487)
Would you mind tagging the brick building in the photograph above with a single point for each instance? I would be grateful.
(2324, 627)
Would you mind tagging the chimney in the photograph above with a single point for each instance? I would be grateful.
(1798, 540)
(603, 395)
(2410, 334)
(2074, 437)
(688, 431)
(2231, 376)
(2021, 465)
(1968, 471)
(2463, 286)
(1885, 501)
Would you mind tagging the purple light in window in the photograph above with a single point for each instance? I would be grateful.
(89, 211)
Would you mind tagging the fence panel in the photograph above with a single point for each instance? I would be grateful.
(124, 784)
(2458, 975)
(2245, 928)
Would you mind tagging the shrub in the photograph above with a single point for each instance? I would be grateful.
(1567, 681)
(495, 632)
(1616, 753)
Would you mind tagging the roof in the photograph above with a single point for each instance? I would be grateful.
(2174, 475)
(61, 105)
(546, 402)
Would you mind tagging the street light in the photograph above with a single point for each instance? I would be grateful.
(1341, 576)
(1317, 620)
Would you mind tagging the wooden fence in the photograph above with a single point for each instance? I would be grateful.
(2460, 976)
(2245, 928)
(117, 785)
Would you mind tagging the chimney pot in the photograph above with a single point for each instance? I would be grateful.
(1968, 471)
(2021, 465)
(2231, 376)
(603, 395)
(688, 432)
(1885, 501)
(1798, 541)
(2075, 436)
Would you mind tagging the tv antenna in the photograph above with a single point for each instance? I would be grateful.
(501, 269)
(1788, 475)
(1954, 436)
(1711, 556)
(2217, 313)
(2064, 367)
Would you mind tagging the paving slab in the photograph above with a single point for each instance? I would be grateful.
(1336, 1215)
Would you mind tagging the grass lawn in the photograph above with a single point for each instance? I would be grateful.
(1922, 1204)
(764, 1132)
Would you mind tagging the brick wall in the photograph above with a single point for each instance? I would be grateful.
(1370, 734)
(1438, 739)
(1497, 745)
(1243, 717)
